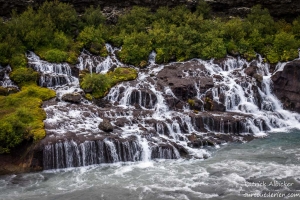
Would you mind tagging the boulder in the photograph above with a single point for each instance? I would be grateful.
(286, 85)
(72, 97)
(250, 71)
(106, 126)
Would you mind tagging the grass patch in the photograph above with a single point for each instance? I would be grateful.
(98, 85)
(21, 116)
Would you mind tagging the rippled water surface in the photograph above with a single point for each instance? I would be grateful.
(233, 171)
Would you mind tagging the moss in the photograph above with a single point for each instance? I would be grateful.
(98, 85)
(21, 116)
(191, 102)
(89, 97)
(208, 104)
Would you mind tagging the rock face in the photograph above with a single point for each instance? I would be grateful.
(284, 8)
(7, 6)
(287, 85)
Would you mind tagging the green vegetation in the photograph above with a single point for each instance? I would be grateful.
(97, 85)
(179, 34)
(21, 116)
(57, 34)
(191, 102)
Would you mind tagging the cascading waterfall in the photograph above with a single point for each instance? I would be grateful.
(150, 116)
(4, 77)
(51, 74)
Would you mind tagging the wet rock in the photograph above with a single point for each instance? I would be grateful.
(218, 77)
(286, 86)
(250, 71)
(72, 97)
(106, 126)
(217, 106)
(102, 103)
(144, 98)
(121, 122)
(258, 77)
(196, 104)
(185, 79)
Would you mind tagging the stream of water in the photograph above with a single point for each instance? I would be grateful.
(233, 172)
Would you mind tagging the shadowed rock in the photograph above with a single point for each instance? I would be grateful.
(286, 85)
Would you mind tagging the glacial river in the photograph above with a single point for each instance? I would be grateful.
(265, 167)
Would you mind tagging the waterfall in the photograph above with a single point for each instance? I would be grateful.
(151, 116)
(99, 64)
(52, 74)
(4, 77)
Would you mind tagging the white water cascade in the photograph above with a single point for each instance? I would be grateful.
(4, 77)
(151, 116)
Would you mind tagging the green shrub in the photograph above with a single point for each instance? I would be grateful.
(54, 55)
(136, 48)
(93, 39)
(284, 48)
(99, 84)
(24, 75)
(62, 15)
(60, 41)
(18, 60)
(203, 9)
(92, 17)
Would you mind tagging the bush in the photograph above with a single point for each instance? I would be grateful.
(54, 55)
(62, 15)
(136, 49)
(93, 39)
(99, 84)
(18, 60)
(92, 17)
(24, 75)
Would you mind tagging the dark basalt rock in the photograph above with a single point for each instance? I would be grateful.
(106, 126)
(250, 71)
(20, 5)
(181, 79)
(286, 86)
(288, 9)
(72, 97)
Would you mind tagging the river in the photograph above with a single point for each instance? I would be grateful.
(232, 172)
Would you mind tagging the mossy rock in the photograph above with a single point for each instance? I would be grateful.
(98, 85)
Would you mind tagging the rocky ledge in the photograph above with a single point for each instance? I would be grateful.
(286, 85)
(288, 9)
